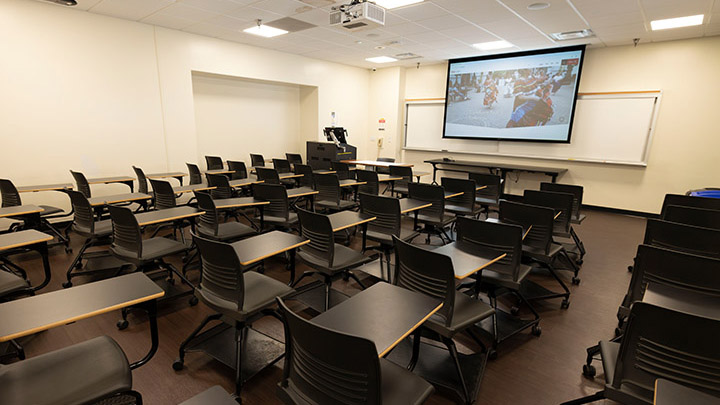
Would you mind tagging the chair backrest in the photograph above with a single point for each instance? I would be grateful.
(222, 274)
(576, 191)
(277, 195)
(690, 201)
(464, 186)
(426, 272)
(328, 187)
(384, 170)
(294, 158)
(684, 238)
(429, 193)
(268, 175)
(318, 229)
(282, 165)
(194, 172)
(692, 216)
(676, 269)
(164, 194)
(127, 238)
(341, 169)
(662, 343)
(492, 183)
(324, 366)
(257, 160)
(372, 185)
(495, 239)
(142, 180)
(307, 175)
(538, 219)
(10, 194)
(208, 222)
(84, 220)
(402, 171)
(214, 162)
(560, 202)
(238, 168)
(82, 184)
(386, 211)
(222, 189)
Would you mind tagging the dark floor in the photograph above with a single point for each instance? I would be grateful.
(528, 370)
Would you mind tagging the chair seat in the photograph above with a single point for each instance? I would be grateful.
(227, 231)
(400, 386)
(609, 353)
(10, 283)
(486, 201)
(460, 210)
(260, 292)
(432, 220)
(152, 249)
(49, 210)
(102, 229)
(539, 254)
(402, 189)
(342, 205)
(467, 311)
(505, 280)
(345, 259)
(292, 219)
(77, 374)
(386, 239)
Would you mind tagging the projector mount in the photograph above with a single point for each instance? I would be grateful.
(349, 10)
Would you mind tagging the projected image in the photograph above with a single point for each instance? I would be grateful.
(529, 97)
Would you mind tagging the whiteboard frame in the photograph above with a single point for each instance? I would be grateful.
(656, 94)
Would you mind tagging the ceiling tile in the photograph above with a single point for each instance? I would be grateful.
(559, 17)
(316, 16)
(443, 22)
(660, 9)
(168, 21)
(207, 30)
(251, 13)
(85, 4)
(217, 6)
(188, 12)
(283, 7)
(420, 12)
(130, 9)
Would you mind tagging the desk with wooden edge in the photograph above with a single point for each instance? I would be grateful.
(322, 171)
(386, 177)
(347, 219)
(120, 198)
(20, 211)
(677, 299)
(219, 171)
(17, 242)
(466, 258)
(45, 187)
(245, 182)
(452, 194)
(525, 231)
(171, 175)
(243, 202)
(256, 248)
(384, 313)
(31, 315)
(671, 393)
(375, 163)
(192, 187)
(167, 215)
(126, 180)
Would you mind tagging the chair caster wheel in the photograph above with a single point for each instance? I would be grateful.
(67, 284)
(171, 281)
(492, 354)
(580, 262)
(630, 268)
(514, 311)
(193, 301)
(565, 304)
(68, 250)
(576, 280)
(536, 330)
(122, 324)
(589, 370)
(177, 365)
(618, 332)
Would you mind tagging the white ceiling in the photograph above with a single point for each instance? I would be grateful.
(435, 29)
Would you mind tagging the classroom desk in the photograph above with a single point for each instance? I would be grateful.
(375, 163)
(681, 300)
(409, 205)
(351, 183)
(167, 215)
(192, 187)
(324, 172)
(467, 166)
(347, 219)
(386, 177)
(219, 171)
(452, 194)
(245, 182)
(45, 187)
(35, 314)
(26, 239)
(384, 313)
(260, 247)
(498, 221)
(671, 393)
(238, 202)
(301, 192)
(465, 258)
(120, 198)
(128, 181)
(172, 175)
(20, 211)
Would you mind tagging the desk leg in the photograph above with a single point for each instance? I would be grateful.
(43, 250)
(503, 176)
(129, 184)
(553, 176)
(262, 218)
(151, 308)
(292, 267)
(435, 169)
(180, 179)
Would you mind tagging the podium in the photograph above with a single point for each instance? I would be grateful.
(320, 154)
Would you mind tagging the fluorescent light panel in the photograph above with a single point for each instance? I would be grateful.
(678, 22)
(492, 45)
(381, 59)
(265, 31)
(390, 4)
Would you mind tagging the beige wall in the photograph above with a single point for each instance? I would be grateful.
(685, 153)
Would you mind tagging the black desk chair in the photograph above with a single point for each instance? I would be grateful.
(282, 165)
(11, 198)
(95, 371)
(372, 185)
(239, 297)
(388, 223)
(214, 162)
(562, 203)
(257, 160)
(307, 179)
(505, 276)
(82, 184)
(277, 213)
(323, 366)
(538, 245)
(239, 170)
(222, 189)
(400, 187)
(462, 205)
(341, 169)
(272, 176)
(434, 218)
(489, 197)
(210, 227)
(294, 158)
(165, 198)
(702, 217)
(690, 201)
(329, 197)
(657, 344)
(384, 170)
(327, 258)
(195, 174)
(576, 191)
(683, 238)
(433, 274)
(142, 180)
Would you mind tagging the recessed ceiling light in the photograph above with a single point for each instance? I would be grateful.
(390, 4)
(379, 47)
(668, 23)
(492, 45)
(538, 6)
(264, 30)
(568, 35)
(381, 59)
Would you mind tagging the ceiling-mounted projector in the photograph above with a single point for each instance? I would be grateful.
(358, 15)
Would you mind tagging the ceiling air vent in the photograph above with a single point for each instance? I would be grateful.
(568, 35)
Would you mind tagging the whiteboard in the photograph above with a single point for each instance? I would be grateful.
(607, 128)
